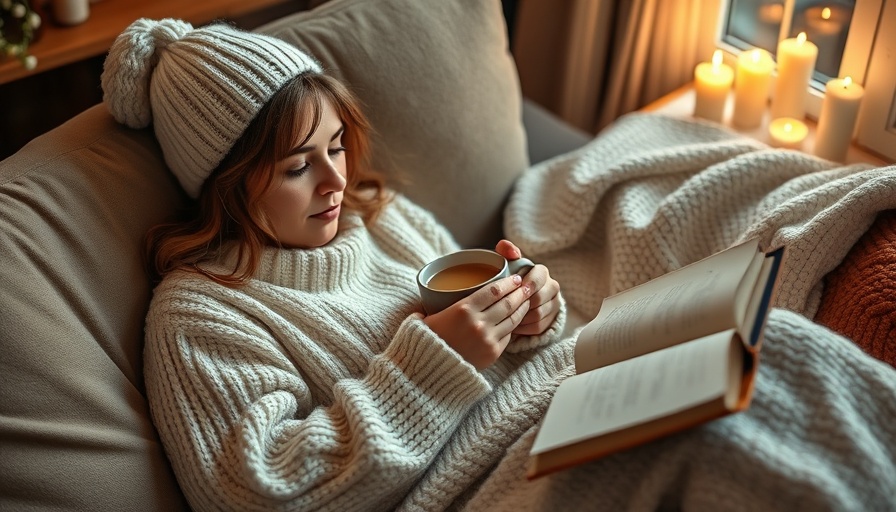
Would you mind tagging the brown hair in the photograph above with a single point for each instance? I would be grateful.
(229, 204)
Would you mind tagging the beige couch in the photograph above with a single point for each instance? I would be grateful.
(441, 89)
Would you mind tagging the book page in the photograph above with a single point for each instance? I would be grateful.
(693, 301)
(638, 390)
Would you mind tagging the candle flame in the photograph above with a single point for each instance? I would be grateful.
(801, 38)
(788, 127)
(826, 13)
(757, 55)
(716, 59)
(847, 82)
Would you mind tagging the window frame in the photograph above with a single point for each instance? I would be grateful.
(876, 126)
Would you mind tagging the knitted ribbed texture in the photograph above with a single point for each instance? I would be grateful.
(200, 88)
(318, 383)
(655, 193)
(859, 299)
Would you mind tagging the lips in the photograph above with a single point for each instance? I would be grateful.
(328, 214)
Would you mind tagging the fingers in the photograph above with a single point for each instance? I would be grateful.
(503, 304)
(507, 249)
(544, 303)
(510, 310)
(502, 299)
(539, 319)
(509, 325)
(493, 293)
(479, 327)
(536, 280)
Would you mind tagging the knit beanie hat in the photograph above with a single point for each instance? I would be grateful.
(200, 88)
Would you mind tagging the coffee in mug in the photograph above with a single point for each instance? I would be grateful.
(448, 279)
(462, 276)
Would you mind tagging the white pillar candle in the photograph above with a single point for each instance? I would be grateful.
(751, 86)
(796, 61)
(787, 132)
(712, 81)
(837, 120)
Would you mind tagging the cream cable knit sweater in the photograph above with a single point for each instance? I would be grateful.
(317, 386)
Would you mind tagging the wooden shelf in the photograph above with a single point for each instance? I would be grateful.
(60, 45)
(680, 103)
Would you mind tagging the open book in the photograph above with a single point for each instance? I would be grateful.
(672, 353)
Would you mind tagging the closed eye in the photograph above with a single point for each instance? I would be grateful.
(296, 173)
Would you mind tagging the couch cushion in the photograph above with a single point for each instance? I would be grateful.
(74, 423)
(442, 92)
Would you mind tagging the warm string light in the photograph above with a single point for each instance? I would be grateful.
(826, 13)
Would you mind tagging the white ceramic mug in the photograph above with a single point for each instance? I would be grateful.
(71, 12)
(436, 297)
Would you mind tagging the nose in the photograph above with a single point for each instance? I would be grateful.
(333, 179)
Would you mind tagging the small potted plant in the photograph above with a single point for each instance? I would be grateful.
(19, 24)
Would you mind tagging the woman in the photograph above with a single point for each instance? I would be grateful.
(288, 362)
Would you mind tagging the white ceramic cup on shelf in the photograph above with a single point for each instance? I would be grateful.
(71, 12)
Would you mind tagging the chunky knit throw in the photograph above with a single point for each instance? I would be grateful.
(318, 387)
(859, 299)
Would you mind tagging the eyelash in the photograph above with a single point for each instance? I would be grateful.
(295, 173)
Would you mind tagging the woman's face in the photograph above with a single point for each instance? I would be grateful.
(304, 202)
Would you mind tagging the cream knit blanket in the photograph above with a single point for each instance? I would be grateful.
(651, 194)
(654, 193)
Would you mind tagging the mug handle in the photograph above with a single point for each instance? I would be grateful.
(520, 266)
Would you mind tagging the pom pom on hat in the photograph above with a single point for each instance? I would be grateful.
(199, 87)
(129, 66)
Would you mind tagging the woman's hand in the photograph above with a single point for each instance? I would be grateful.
(479, 326)
(544, 303)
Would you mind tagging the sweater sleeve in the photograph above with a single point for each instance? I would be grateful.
(245, 431)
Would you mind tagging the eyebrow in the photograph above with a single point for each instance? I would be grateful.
(312, 147)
